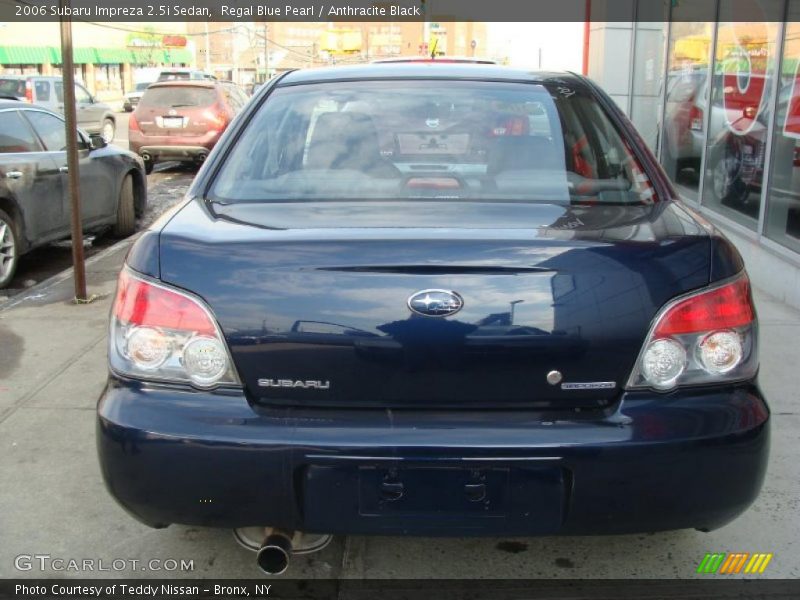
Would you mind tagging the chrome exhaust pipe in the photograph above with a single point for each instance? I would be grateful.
(146, 157)
(274, 553)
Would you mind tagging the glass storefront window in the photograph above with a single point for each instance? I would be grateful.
(689, 55)
(648, 73)
(740, 108)
(783, 200)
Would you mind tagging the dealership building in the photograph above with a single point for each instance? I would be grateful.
(718, 99)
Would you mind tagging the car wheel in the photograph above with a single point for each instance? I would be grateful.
(725, 182)
(126, 216)
(108, 130)
(9, 249)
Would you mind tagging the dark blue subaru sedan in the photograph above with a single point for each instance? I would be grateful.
(430, 299)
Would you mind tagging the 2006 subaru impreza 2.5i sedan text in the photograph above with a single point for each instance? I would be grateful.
(427, 299)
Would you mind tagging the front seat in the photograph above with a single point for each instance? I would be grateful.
(343, 140)
(525, 153)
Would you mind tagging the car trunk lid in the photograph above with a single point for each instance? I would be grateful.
(313, 298)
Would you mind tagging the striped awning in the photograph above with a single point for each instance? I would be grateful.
(178, 55)
(38, 55)
(113, 56)
(146, 57)
(24, 55)
(80, 56)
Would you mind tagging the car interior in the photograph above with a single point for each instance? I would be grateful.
(528, 145)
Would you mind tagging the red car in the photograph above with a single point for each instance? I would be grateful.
(182, 120)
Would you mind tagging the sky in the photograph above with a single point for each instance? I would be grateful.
(561, 44)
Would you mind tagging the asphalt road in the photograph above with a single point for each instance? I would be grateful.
(166, 185)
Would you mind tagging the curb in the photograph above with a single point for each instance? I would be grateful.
(65, 274)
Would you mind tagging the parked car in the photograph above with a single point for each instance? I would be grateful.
(379, 312)
(180, 74)
(93, 116)
(181, 120)
(132, 98)
(686, 105)
(736, 160)
(34, 202)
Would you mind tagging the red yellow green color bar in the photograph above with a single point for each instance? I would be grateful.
(733, 563)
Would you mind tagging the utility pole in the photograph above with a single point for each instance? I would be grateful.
(266, 52)
(234, 61)
(73, 184)
(208, 50)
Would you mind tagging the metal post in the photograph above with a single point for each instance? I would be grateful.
(68, 75)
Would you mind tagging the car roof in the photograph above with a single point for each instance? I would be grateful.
(13, 103)
(443, 59)
(206, 83)
(427, 70)
(25, 105)
(25, 77)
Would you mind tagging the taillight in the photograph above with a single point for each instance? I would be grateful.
(696, 118)
(163, 334)
(217, 118)
(706, 337)
(28, 92)
(133, 124)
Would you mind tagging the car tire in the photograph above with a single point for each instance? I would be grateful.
(108, 130)
(726, 185)
(9, 249)
(148, 166)
(126, 214)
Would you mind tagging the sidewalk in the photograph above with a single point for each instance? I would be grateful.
(52, 499)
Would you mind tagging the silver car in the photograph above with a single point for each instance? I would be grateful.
(93, 116)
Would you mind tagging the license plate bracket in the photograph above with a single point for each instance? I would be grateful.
(428, 499)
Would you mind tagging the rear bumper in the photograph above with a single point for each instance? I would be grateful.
(694, 458)
(173, 147)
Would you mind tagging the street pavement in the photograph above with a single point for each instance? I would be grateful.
(53, 502)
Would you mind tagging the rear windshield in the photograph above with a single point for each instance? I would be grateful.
(12, 87)
(442, 140)
(140, 87)
(178, 96)
(174, 75)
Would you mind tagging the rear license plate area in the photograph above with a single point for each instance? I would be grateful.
(433, 499)
(173, 122)
(435, 491)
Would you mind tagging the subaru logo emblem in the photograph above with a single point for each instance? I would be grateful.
(435, 303)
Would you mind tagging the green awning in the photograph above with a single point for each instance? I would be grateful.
(178, 55)
(80, 56)
(147, 56)
(24, 55)
(113, 56)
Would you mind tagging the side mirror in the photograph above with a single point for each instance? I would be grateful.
(97, 141)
